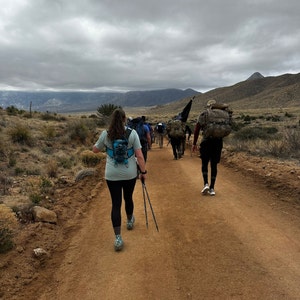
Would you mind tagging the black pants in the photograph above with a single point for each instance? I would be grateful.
(210, 152)
(176, 147)
(115, 189)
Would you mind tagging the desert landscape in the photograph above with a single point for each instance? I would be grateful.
(241, 244)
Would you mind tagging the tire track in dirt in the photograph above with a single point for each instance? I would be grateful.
(231, 246)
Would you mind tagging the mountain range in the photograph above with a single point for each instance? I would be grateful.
(255, 92)
(62, 102)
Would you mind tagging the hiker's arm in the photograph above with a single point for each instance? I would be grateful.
(140, 161)
(149, 140)
(99, 145)
(196, 135)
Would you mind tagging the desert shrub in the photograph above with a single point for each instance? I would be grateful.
(49, 116)
(288, 115)
(66, 162)
(2, 151)
(45, 183)
(6, 238)
(252, 133)
(49, 132)
(78, 132)
(12, 160)
(82, 131)
(91, 159)
(52, 168)
(21, 134)
(19, 171)
(275, 148)
(8, 224)
(236, 126)
(35, 198)
(12, 110)
(47, 150)
(36, 171)
(273, 118)
(291, 137)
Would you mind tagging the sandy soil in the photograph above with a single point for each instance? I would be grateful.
(243, 243)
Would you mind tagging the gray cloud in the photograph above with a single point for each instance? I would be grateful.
(143, 45)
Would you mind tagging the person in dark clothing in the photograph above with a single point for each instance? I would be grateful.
(210, 152)
(187, 131)
(176, 147)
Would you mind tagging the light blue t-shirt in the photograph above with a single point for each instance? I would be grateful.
(115, 172)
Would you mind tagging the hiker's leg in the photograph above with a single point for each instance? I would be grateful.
(128, 188)
(173, 143)
(213, 175)
(204, 170)
(204, 154)
(216, 149)
(115, 189)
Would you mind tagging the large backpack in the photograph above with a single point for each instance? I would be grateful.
(138, 125)
(216, 121)
(176, 129)
(120, 152)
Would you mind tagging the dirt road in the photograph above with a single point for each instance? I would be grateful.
(231, 246)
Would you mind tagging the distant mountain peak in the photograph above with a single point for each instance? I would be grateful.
(255, 75)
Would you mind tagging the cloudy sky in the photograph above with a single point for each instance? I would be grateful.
(124, 45)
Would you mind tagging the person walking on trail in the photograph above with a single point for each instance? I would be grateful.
(147, 146)
(144, 134)
(121, 177)
(210, 152)
(176, 144)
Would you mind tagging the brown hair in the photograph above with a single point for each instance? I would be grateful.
(116, 128)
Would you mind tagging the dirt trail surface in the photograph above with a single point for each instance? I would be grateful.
(238, 244)
(231, 246)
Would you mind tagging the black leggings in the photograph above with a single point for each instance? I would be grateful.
(210, 151)
(176, 147)
(115, 189)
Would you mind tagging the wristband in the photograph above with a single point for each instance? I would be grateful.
(144, 172)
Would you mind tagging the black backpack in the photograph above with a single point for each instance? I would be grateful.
(138, 125)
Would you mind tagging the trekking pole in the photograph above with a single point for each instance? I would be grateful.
(145, 204)
(153, 215)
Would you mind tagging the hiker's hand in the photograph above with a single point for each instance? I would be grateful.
(142, 177)
(194, 148)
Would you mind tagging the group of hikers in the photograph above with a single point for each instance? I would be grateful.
(127, 142)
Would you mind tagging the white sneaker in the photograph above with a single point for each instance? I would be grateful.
(205, 189)
(212, 192)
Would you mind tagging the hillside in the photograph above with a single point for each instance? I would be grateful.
(262, 93)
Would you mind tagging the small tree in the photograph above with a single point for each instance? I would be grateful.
(106, 110)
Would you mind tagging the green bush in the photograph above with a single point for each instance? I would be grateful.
(6, 239)
(81, 131)
(35, 198)
(21, 134)
(252, 133)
